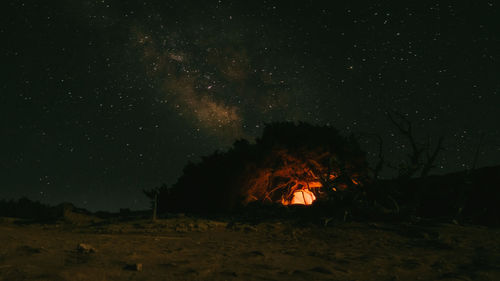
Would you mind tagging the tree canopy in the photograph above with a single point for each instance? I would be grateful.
(287, 157)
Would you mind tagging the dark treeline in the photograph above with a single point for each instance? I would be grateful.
(253, 178)
(222, 182)
(262, 171)
(28, 209)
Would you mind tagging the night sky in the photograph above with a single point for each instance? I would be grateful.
(100, 99)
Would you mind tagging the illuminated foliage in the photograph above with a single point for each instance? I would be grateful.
(288, 161)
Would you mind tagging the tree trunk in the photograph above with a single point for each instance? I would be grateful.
(155, 206)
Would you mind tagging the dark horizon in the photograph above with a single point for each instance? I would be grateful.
(101, 100)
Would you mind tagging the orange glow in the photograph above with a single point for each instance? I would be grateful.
(301, 197)
(300, 193)
(314, 184)
(292, 178)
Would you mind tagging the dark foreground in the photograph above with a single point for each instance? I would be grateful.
(184, 248)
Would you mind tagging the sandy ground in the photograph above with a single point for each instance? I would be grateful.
(186, 248)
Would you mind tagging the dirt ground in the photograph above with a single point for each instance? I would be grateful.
(184, 248)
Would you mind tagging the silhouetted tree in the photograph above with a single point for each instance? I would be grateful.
(422, 156)
(27, 209)
(287, 156)
(152, 194)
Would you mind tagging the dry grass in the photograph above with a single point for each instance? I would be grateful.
(185, 248)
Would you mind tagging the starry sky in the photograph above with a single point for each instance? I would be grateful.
(101, 99)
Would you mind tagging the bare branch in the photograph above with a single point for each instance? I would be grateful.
(478, 149)
(381, 160)
(431, 158)
(416, 155)
(405, 128)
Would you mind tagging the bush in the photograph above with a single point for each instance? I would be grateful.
(286, 157)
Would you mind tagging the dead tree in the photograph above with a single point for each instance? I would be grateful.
(430, 158)
(421, 156)
(381, 163)
(478, 150)
(152, 194)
